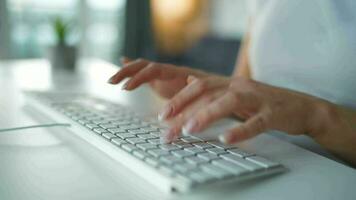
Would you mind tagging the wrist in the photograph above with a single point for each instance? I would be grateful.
(324, 117)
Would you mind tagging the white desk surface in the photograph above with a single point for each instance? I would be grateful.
(38, 164)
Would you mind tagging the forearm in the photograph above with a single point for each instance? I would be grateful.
(335, 129)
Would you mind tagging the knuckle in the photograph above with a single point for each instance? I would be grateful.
(201, 84)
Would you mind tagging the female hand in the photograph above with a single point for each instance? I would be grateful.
(264, 107)
(165, 79)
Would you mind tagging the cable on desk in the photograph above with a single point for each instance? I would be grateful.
(34, 126)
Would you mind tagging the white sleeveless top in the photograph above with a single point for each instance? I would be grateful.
(307, 46)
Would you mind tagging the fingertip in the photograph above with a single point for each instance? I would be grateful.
(191, 78)
(111, 80)
(185, 132)
(169, 136)
(229, 137)
(222, 138)
(124, 59)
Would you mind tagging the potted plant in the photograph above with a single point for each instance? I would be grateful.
(62, 55)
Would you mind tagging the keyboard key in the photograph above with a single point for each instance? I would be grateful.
(140, 154)
(220, 145)
(107, 126)
(109, 136)
(195, 160)
(203, 145)
(262, 161)
(170, 160)
(168, 147)
(242, 162)
(216, 171)
(129, 147)
(230, 166)
(118, 141)
(216, 150)
(126, 135)
(208, 156)
(158, 152)
(239, 153)
(100, 121)
(147, 136)
(132, 126)
(149, 129)
(100, 130)
(201, 177)
(155, 141)
(116, 130)
(191, 140)
(184, 167)
(138, 131)
(195, 150)
(182, 153)
(91, 126)
(136, 140)
(152, 161)
(147, 146)
(182, 144)
(156, 133)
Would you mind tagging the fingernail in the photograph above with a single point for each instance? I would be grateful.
(223, 139)
(191, 78)
(165, 113)
(167, 136)
(124, 87)
(190, 127)
(111, 80)
(185, 132)
(228, 138)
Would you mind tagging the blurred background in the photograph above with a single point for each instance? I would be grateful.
(204, 34)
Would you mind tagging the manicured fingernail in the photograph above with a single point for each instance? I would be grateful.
(191, 78)
(185, 132)
(168, 136)
(124, 87)
(228, 138)
(223, 139)
(165, 113)
(111, 80)
(190, 127)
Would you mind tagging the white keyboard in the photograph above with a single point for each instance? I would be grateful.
(182, 165)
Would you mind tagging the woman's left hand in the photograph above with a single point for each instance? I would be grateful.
(263, 107)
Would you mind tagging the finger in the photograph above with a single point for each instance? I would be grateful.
(154, 71)
(221, 107)
(252, 127)
(196, 88)
(128, 70)
(174, 130)
(125, 60)
(190, 79)
(176, 123)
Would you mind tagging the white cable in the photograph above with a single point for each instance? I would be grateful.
(34, 126)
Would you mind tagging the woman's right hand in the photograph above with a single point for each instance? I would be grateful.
(165, 79)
